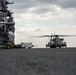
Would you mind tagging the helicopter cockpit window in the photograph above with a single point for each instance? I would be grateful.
(57, 39)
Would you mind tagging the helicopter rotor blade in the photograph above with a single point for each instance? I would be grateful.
(58, 35)
(52, 36)
(45, 36)
(67, 35)
(41, 36)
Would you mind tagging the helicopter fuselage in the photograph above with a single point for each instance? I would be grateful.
(56, 42)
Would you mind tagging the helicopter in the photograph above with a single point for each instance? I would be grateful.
(56, 41)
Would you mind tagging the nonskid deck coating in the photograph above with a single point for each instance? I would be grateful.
(38, 61)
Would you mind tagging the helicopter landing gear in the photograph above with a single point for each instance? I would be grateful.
(59, 46)
(52, 46)
(65, 46)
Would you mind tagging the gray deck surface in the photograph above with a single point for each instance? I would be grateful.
(38, 61)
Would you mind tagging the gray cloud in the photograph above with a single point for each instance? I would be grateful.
(24, 5)
(61, 3)
(42, 10)
(21, 4)
(67, 3)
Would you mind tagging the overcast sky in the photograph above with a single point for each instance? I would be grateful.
(40, 17)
